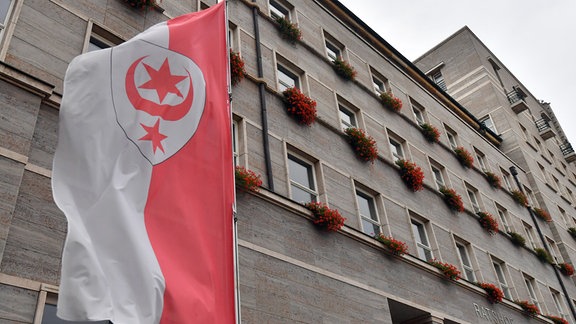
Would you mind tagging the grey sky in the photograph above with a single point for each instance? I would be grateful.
(535, 39)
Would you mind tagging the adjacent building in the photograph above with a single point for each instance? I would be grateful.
(291, 271)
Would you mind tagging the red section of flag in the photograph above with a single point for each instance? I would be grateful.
(188, 214)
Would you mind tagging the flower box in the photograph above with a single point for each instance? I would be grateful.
(519, 197)
(449, 270)
(247, 180)
(411, 174)
(431, 133)
(493, 179)
(237, 71)
(391, 102)
(494, 294)
(299, 106)
(542, 214)
(344, 69)
(556, 319)
(488, 222)
(395, 247)
(464, 157)
(288, 30)
(452, 199)
(142, 4)
(517, 239)
(543, 255)
(529, 308)
(328, 219)
(566, 268)
(364, 145)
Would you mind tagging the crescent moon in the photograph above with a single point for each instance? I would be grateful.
(166, 112)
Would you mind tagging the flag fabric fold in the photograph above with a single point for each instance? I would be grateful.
(143, 172)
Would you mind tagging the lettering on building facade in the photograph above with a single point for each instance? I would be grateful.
(490, 315)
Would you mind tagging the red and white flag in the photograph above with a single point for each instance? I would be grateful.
(143, 172)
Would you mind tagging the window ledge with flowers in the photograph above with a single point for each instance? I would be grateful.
(431, 133)
(556, 319)
(464, 157)
(566, 268)
(542, 214)
(299, 106)
(449, 270)
(145, 4)
(394, 246)
(517, 239)
(519, 197)
(237, 70)
(488, 222)
(452, 199)
(494, 294)
(344, 69)
(543, 255)
(288, 30)
(391, 102)
(411, 174)
(325, 218)
(529, 308)
(247, 180)
(364, 146)
(493, 179)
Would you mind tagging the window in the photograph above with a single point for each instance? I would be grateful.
(347, 117)
(531, 285)
(524, 133)
(100, 38)
(530, 235)
(286, 79)
(481, 158)
(332, 51)
(379, 82)
(418, 114)
(278, 10)
(368, 214)
(396, 149)
(46, 311)
(539, 145)
(302, 183)
(556, 183)
(506, 178)
(564, 217)
(500, 269)
(543, 171)
(422, 243)
(530, 196)
(438, 78)
(452, 137)
(503, 215)
(5, 8)
(559, 304)
(438, 174)
(473, 195)
(554, 251)
(463, 253)
(569, 195)
(235, 141)
(488, 123)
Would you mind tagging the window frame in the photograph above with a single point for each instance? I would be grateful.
(501, 272)
(472, 194)
(530, 235)
(452, 137)
(417, 111)
(504, 218)
(463, 249)
(492, 126)
(419, 233)
(281, 69)
(395, 144)
(532, 290)
(506, 177)
(98, 37)
(4, 21)
(235, 145)
(558, 302)
(373, 218)
(481, 158)
(345, 110)
(438, 78)
(440, 183)
(278, 10)
(379, 78)
(310, 167)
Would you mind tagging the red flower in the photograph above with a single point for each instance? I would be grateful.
(364, 145)
(542, 214)
(324, 217)
(236, 68)
(488, 222)
(247, 179)
(391, 102)
(299, 106)
(344, 69)
(452, 199)
(464, 157)
(449, 270)
(411, 174)
(520, 197)
(288, 30)
(529, 308)
(395, 247)
(556, 319)
(566, 268)
(493, 179)
(494, 294)
(430, 132)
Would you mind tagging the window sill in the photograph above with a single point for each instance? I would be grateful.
(551, 188)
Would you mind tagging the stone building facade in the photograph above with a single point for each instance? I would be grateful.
(289, 270)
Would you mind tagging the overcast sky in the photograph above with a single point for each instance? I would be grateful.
(534, 39)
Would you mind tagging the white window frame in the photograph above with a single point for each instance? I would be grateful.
(278, 10)
(4, 20)
(378, 84)
(481, 158)
(423, 246)
(397, 150)
(530, 235)
(554, 251)
(373, 217)
(500, 270)
(333, 52)
(503, 215)
(506, 177)
(473, 198)
(532, 288)
(311, 176)
(345, 111)
(490, 125)
(288, 73)
(437, 77)
(465, 260)
(558, 302)
(452, 137)
(235, 146)
(419, 114)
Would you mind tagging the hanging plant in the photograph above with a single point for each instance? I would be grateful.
(517, 239)
(556, 319)
(142, 4)
(237, 70)
(395, 247)
(288, 30)
(299, 106)
(247, 180)
(449, 270)
(529, 308)
(411, 174)
(391, 102)
(488, 222)
(452, 199)
(464, 157)
(494, 294)
(493, 179)
(324, 217)
(519, 197)
(344, 69)
(431, 133)
(543, 255)
(364, 145)
(542, 214)
(566, 268)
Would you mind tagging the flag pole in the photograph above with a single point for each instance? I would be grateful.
(234, 219)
